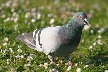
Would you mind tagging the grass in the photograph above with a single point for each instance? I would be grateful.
(18, 16)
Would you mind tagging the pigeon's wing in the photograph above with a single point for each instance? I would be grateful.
(48, 39)
(28, 39)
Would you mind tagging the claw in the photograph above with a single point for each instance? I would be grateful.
(70, 63)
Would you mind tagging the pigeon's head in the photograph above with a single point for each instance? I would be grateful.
(81, 18)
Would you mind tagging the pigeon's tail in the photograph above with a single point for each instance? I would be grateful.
(28, 39)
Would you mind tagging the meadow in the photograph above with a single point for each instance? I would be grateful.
(23, 16)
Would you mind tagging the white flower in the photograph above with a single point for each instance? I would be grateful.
(106, 71)
(19, 50)
(76, 64)
(15, 20)
(66, 63)
(38, 15)
(5, 51)
(0, 46)
(86, 66)
(29, 58)
(12, 70)
(46, 65)
(41, 65)
(69, 68)
(4, 44)
(7, 19)
(99, 42)
(27, 15)
(33, 20)
(90, 47)
(101, 30)
(16, 27)
(86, 27)
(18, 56)
(51, 21)
(92, 31)
(78, 70)
(27, 64)
(10, 49)
(22, 56)
(94, 44)
(3, 16)
(19, 46)
(0, 68)
(8, 60)
(99, 36)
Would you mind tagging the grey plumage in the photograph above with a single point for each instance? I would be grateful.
(59, 40)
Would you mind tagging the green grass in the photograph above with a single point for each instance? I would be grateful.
(96, 58)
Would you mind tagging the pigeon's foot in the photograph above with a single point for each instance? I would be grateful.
(52, 61)
(70, 63)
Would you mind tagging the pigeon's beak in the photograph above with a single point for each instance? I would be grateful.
(86, 22)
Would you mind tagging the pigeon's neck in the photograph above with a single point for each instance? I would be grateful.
(72, 27)
(70, 22)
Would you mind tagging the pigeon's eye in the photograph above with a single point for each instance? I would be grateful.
(80, 17)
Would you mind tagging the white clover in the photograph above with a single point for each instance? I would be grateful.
(99, 41)
(6, 39)
(15, 20)
(66, 63)
(0, 46)
(51, 21)
(90, 47)
(16, 28)
(99, 36)
(0, 68)
(101, 30)
(18, 56)
(19, 50)
(33, 20)
(3, 16)
(4, 44)
(46, 65)
(76, 64)
(86, 27)
(94, 44)
(106, 71)
(27, 64)
(78, 70)
(29, 58)
(4, 51)
(10, 49)
(27, 15)
(69, 68)
(86, 66)
(41, 65)
(38, 15)
(22, 56)
(92, 31)
(8, 61)
(12, 70)
(19, 46)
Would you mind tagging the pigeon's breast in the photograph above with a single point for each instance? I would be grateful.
(69, 47)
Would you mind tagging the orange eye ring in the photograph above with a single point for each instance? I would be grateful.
(79, 16)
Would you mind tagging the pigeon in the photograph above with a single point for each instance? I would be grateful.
(58, 41)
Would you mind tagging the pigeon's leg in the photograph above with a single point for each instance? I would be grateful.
(68, 60)
(51, 59)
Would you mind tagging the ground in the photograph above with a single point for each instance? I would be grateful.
(23, 16)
